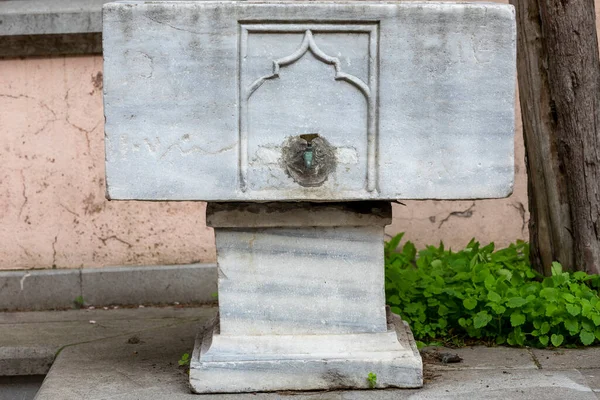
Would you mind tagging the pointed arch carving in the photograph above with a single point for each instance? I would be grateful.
(368, 89)
(308, 44)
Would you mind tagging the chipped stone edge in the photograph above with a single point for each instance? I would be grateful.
(50, 289)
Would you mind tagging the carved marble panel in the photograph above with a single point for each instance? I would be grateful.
(289, 86)
(243, 101)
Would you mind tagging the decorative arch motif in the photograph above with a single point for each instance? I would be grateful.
(369, 89)
(308, 43)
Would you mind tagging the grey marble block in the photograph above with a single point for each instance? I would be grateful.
(222, 364)
(213, 100)
(308, 280)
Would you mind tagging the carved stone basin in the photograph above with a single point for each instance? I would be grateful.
(214, 100)
(306, 104)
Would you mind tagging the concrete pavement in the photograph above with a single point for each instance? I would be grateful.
(131, 354)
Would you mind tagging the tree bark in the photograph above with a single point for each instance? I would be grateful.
(559, 85)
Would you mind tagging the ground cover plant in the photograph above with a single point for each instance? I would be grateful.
(479, 294)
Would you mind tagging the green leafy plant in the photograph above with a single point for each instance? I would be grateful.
(477, 293)
(184, 360)
(372, 379)
(78, 302)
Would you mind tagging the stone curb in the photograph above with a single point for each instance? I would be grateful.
(59, 289)
(26, 360)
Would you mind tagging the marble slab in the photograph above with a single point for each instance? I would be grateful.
(222, 364)
(221, 100)
(311, 280)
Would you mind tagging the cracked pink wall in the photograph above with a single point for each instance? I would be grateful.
(52, 207)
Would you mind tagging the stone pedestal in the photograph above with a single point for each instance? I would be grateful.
(301, 302)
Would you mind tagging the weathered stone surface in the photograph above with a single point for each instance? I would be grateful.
(200, 99)
(273, 215)
(222, 364)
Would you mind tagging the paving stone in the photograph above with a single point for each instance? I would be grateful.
(592, 377)
(568, 358)
(480, 357)
(103, 366)
(495, 384)
(29, 342)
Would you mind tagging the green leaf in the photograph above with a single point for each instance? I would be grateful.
(489, 282)
(498, 309)
(394, 242)
(549, 293)
(409, 251)
(515, 302)
(586, 308)
(517, 318)
(543, 340)
(545, 328)
(586, 337)
(571, 325)
(493, 296)
(557, 339)
(185, 359)
(573, 309)
(556, 268)
(587, 325)
(393, 299)
(470, 303)
(580, 275)
(481, 319)
(550, 309)
(569, 297)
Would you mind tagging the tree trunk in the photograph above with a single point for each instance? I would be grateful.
(559, 85)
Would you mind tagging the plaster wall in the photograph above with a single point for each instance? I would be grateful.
(53, 213)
